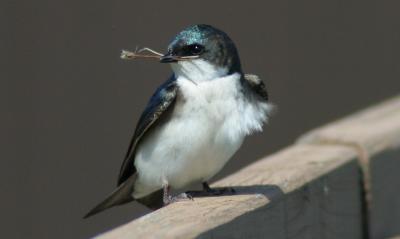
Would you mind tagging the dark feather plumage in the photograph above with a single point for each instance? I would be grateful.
(256, 85)
(161, 100)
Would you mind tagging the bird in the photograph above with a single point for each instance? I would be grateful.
(194, 122)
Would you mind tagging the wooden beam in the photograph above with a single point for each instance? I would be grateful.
(310, 189)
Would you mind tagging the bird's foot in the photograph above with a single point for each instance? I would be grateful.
(178, 198)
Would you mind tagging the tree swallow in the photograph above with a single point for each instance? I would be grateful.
(193, 123)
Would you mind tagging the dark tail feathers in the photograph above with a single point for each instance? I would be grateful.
(121, 195)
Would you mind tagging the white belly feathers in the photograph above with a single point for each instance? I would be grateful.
(205, 128)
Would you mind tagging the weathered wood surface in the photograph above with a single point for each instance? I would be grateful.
(385, 206)
(375, 129)
(375, 134)
(308, 190)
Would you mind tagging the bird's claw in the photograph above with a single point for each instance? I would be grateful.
(178, 198)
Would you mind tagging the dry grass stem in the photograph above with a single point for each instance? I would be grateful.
(128, 55)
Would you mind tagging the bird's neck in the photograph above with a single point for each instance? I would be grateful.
(198, 70)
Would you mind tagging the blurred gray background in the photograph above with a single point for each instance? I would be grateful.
(70, 105)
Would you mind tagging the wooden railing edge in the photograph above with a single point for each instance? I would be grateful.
(317, 153)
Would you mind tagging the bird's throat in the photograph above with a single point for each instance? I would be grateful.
(198, 70)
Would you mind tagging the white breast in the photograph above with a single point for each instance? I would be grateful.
(206, 127)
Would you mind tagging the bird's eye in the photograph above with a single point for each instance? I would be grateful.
(195, 49)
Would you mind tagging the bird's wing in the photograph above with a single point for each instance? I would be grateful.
(256, 85)
(159, 103)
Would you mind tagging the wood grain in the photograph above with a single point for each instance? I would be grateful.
(376, 128)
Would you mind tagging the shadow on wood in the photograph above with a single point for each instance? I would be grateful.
(385, 214)
(329, 207)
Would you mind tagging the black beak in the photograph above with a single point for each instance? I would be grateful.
(168, 58)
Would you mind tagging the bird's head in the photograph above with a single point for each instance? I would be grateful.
(202, 51)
